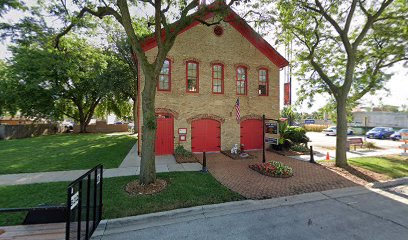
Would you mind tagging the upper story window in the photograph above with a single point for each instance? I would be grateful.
(218, 78)
(263, 82)
(165, 77)
(192, 81)
(241, 77)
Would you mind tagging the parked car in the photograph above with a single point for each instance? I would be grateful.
(380, 132)
(397, 135)
(332, 131)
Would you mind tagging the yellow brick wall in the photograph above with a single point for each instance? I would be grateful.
(231, 49)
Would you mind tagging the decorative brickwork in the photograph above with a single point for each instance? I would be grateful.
(191, 59)
(242, 65)
(166, 110)
(218, 62)
(262, 67)
(251, 116)
(206, 116)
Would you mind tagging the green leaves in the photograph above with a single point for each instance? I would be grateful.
(51, 83)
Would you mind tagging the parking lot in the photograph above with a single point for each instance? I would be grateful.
(320, 140)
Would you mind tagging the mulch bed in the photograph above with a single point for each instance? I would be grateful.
(134, 187)
(183, 159)
(236, 156)
(355, 174)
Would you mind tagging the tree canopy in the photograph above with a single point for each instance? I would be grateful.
(342, 48)
(71, 83)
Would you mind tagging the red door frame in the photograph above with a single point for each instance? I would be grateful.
(164, 144)
(207, 136)
(253, 141)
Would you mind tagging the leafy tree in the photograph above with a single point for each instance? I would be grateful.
(7, 104)
(71, 83)
(165, 35)
(6, 5)
(343, 48)
(289, 113)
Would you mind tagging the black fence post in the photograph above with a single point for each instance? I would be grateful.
(100, 194)
(68, 223)
(88, 195)
(311, 155)
(204, 163)
(263, 138)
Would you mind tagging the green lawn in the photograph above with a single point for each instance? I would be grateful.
(393, 165)
(185, 189)
(63, 152)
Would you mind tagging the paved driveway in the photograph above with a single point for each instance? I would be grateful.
(321, 140)
(237, 176)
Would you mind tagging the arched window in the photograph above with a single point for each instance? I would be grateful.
(192, 81)
(263, 82)
(242, 81)
(218, 78)
(165, 77)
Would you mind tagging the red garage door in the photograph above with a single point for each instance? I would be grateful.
(164, 134)
(205, 135)
(251, 134)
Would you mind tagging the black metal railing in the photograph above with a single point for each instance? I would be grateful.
(83, 210)
(84, 204)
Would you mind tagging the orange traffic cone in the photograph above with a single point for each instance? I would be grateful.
(327, 156)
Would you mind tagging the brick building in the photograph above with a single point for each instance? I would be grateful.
(204, 74)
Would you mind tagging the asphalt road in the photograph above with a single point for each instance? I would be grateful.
(328, 215)
(321, 140)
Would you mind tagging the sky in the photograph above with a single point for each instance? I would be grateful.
(397, 85)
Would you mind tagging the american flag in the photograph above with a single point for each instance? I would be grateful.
(237, 108)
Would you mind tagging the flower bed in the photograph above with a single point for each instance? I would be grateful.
(272, 169)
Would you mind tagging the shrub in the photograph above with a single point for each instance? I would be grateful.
(181, 151)
(297, 135)
(314, 127)
(299, 148)
(272, 169)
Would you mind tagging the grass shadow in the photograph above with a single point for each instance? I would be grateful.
(354, 171)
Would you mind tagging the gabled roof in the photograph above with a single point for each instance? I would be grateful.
(241, 26)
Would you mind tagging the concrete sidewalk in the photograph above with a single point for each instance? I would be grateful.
(320, 153)
(130, 166)
(348, 213)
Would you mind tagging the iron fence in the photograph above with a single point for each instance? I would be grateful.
(84, 204)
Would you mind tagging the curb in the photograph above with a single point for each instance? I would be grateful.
(391, 183)
(134, 223)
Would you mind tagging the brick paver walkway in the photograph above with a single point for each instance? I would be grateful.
(237, 176)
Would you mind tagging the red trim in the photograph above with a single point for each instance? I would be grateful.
(168, 75)
(245, 81)
(241, 26)
(197, 76)
(267, 81)
(222, 77)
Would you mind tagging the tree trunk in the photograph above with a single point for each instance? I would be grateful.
(341, 140)
(82, 126)
(147, 165)
(135, 126)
